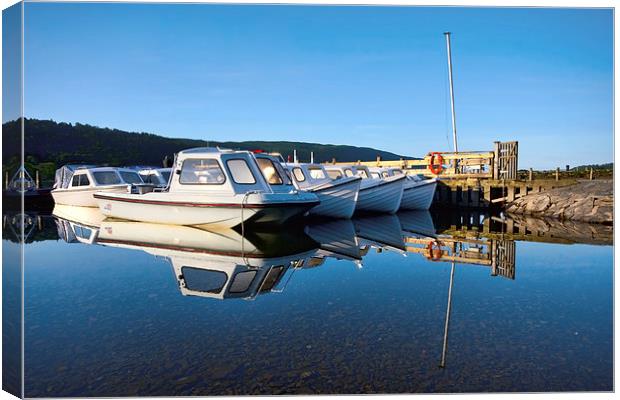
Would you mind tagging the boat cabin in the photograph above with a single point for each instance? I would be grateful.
(93, 177)
(216, 170)
(307, 176)
(224, 280)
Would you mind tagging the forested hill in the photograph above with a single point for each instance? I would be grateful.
(61, 143)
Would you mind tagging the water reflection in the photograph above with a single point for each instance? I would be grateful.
(442, 289)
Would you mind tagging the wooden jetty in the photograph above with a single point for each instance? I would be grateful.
(475, 179)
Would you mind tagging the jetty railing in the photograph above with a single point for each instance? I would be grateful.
(500, 164)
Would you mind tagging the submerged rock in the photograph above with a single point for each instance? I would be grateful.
(587, 201)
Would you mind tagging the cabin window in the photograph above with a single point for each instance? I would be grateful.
(202, 171)
(299, 174)
(242, 282)
(106, 178)
(130, 177)
(269, 171)
(317, 173)
(385, 174)
(240, 171)
(348, 172)
(375, 175)
(80, 180)
(334, 174)
(204, 280)
(362, 173)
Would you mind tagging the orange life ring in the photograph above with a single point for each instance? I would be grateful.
(435, 168)
(434, 251)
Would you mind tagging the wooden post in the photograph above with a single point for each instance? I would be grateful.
(511, 193)
(531, 173)
(333, 160)
(591, 173)
(496, 160)
(557, 174)
(37, 182)
(487, 194)
(6, 180)
(378, 160)
(475, 196)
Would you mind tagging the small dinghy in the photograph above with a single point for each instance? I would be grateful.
(338, 197)
(75, 185)
(376, 194)
(418, 192)
(210, 186)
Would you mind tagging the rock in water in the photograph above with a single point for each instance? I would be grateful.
(588, 201)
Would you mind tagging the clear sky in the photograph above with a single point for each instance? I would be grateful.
(367, 76)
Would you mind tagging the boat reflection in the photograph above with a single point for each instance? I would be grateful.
(466, 239)
(216, 264)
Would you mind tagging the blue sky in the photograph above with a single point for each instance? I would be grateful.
(367, 76)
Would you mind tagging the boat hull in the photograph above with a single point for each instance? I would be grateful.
(338, 200)
(158, 210)
(83, 197)
(419, 195)
(383, 198)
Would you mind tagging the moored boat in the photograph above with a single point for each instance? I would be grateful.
(418, 193)
(210, 186)
(338, 197)
(376, 194)
(75, 185)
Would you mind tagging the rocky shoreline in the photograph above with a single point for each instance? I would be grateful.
(585, 201)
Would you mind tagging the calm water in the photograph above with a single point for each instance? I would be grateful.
(114, 308)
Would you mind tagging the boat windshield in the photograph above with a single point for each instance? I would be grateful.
(375, 175)
(106, 178)
(130, 177)
(166, 176)
(202, 171)
(271, 172)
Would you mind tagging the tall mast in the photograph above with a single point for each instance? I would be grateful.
(456, 148)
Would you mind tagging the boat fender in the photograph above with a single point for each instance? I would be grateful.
(435, 168)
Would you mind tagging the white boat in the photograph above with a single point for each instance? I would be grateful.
(418, 192)
(210, 186)
(376, 194)
(338, 197)
(77, 224)
(76, 185)
(218, 264)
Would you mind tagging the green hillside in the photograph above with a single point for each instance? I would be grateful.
(50, 144)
